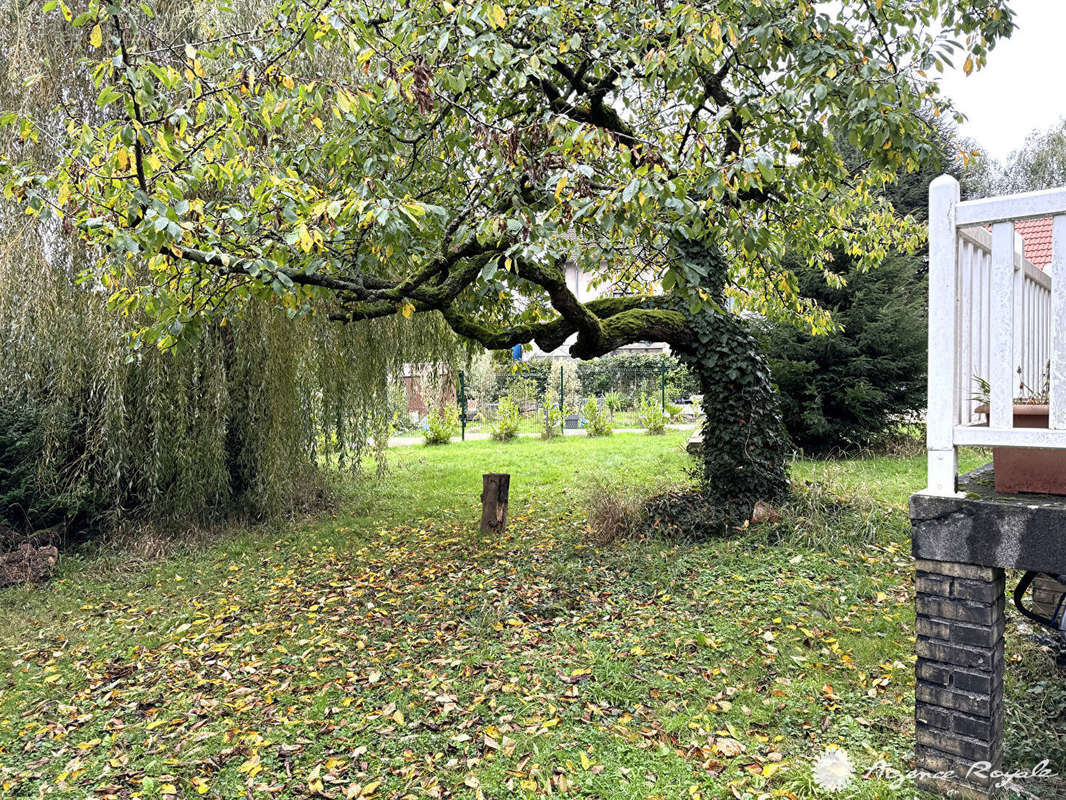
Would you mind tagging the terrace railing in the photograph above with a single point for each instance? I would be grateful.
(992, 316)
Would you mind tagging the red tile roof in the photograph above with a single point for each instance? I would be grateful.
(1037, 236)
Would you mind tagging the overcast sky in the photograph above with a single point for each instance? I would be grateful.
(1024, 84)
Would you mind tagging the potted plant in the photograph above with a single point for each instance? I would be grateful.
(1040, 470)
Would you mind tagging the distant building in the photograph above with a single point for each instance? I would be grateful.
(1036, 233)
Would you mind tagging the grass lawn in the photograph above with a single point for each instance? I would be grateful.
(391, 652)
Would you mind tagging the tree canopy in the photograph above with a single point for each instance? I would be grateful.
(1040, 163)
(367, 159)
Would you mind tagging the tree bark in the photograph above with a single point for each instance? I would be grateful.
(494, 491)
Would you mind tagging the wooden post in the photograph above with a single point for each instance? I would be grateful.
(943, 392)
(1001, 327)
(1057, 378)
(494, 491)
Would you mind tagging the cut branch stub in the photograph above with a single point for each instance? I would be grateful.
(494, 490)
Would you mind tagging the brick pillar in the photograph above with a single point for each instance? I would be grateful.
(959, 677)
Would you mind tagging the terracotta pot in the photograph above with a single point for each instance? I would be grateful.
(1040, 470)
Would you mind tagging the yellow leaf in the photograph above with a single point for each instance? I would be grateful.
(200, 785)
(168, 788)
(586, 762)
(497, 16)
(96, 37)
(968, 66)
(561, 185)
(63, 196)
(407, 310)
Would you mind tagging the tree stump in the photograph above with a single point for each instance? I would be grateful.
(494, 490)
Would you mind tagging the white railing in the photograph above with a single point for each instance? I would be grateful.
(973, 323)
(991, 316)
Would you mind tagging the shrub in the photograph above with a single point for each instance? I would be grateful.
(597, 420)
(651, 417)
(848, 389)
(613, 401)
(442, 425)
(505, 427)
(552, 421)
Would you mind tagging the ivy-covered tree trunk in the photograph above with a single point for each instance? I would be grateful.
(744, 443)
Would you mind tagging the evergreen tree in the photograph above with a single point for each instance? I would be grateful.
(847, 388)
(843, 390)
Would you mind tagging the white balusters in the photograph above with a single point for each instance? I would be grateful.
(1001, 327)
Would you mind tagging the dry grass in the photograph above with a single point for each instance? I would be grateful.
(615, 512)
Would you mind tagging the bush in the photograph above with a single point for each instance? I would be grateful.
(443, 423)
(614, 402)
(651, 417)
(552, 422)
(597, 420)
(505, 427)
(848, 389)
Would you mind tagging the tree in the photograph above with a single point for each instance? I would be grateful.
(847, 387)
(362, 160)
(1039, 164)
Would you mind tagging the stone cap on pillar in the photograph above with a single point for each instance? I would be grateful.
(979, 526)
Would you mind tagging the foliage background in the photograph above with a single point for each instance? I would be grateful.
(842, 390)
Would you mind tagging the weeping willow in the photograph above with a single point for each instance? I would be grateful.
(246, 420)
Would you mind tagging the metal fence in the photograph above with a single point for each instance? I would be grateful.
(621, 387)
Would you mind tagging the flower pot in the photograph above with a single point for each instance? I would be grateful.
(1040, 470)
